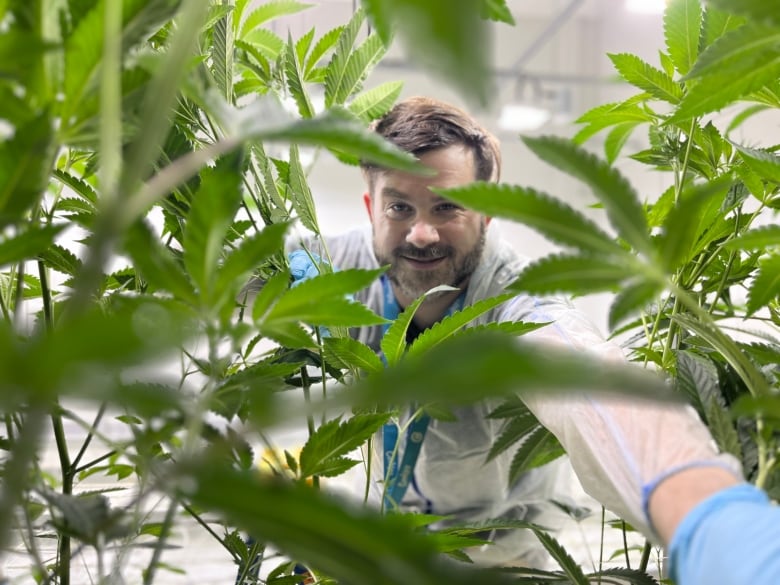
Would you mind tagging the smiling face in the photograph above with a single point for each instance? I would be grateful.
(426, 239)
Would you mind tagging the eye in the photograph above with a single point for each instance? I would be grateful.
(398, 210)
(448, 208)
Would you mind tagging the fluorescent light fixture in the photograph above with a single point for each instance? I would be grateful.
(523, 118)
(646, 6)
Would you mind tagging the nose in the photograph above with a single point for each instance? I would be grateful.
(422, 233)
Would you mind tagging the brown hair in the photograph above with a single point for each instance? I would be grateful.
(421, 124)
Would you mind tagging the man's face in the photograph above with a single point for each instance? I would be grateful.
(426, 239)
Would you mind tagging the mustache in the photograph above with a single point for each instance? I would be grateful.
(434, 251)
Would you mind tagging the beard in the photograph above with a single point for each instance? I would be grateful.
(454, 271)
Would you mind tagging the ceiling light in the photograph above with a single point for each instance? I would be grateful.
(523, 117)
(646, 6)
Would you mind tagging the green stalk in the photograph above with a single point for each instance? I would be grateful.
(151, 569)
(643, 562)
(309, 418)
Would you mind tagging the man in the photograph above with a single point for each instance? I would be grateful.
(654, 465)
(429, 241)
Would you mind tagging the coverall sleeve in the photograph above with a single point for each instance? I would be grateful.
(621, 448)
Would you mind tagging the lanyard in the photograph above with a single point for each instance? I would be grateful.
(398, 477)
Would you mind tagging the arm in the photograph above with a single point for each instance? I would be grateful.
(719, 530)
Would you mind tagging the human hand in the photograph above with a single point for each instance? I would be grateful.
(303, 265)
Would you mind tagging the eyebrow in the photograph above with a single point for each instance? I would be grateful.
(395, 193)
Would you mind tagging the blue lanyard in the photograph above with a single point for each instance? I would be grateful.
(398, 477)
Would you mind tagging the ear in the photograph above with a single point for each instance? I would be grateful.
(367, 203)
(487, 220)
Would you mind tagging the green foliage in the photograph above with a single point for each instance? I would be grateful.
(185, 124)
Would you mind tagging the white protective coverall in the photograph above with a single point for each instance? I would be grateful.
(618, 448)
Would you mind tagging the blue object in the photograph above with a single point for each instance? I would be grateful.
(301, 265)
(731, 538)
(400, 476)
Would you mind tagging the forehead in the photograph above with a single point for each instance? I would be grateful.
(452, 166)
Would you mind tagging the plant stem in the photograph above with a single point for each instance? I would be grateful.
(645, 557)
(625, 544)
(155, 560)
(309, 418)
(88, 440)
(63, 548)
(204, 524)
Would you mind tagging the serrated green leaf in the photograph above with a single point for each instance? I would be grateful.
(514, 328)
(270, 290)
(302, 46)
(212, 210)
(468, 368)
(84, 47)
(610, 187)
(340, 59)
(156, 263)
(634, 297)
(717, 23)
(338, 129)
(61, 259)
(613, 114)
(344, 76)
(321, 47)
(697, 379)
(269, 11)
(681, 225)
(287, 333)
(393, 342)
(295, 83)
(719, 90)
(28, 243)
(511, 407)
(268, 43)
(453, 323)
(551, 217)
(79, 186)
(682, 27)
(26, 160)
(622, 577)
(302, 200)
(722, 428)
(222, 49)
(564, 560)
(572, 274)
(498, 11)
(757, 10)
(335, 439)
(346, 352)
(762, 162)
(376, 102)
(318, 300)
(737, 51)
(539, 447)
(307, 525)
(616, 139)
(647, 78)
(252, 252)
(513, 431)
(766, 285)
(760, 238)
(718, 340)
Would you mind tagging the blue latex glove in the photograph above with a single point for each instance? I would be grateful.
(301, 266)
(731, 538)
